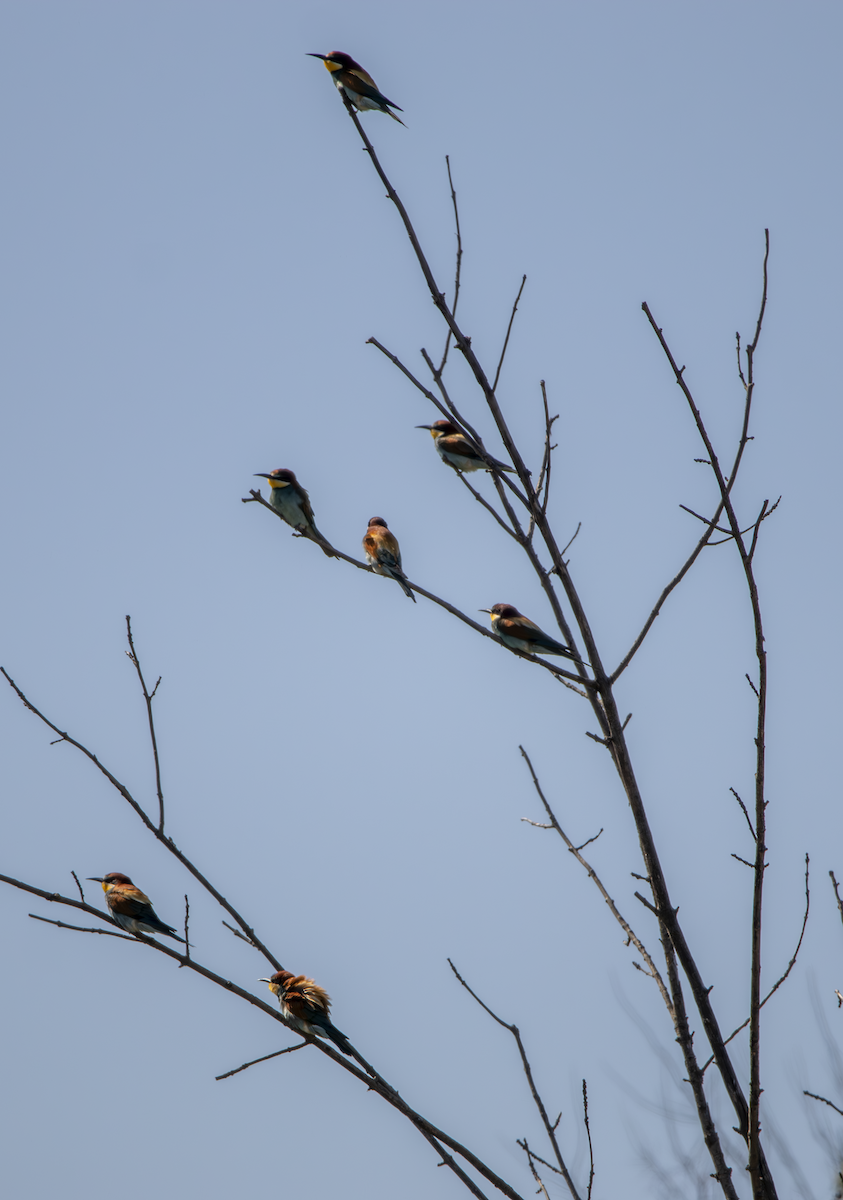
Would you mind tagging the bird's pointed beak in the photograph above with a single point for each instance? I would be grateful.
(94, 879)
(424, 427)
(261, 475)
(310, 54)
(488, 610)
(269, 980)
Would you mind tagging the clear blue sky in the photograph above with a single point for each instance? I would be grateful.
(195, 251)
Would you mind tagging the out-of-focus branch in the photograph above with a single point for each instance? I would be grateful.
(550, 1129)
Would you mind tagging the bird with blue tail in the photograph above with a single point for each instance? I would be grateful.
(129, 907)
(292, 503)
(351, 80)
(520, 633)
(384, 555)
(457, 450)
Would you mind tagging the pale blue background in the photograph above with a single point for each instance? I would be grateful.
(195, 252)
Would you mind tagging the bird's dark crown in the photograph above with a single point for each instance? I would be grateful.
(505, 610)
(378, 521)
(283, 475)
(337, 56)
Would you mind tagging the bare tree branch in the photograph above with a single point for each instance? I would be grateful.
(588, 1134)
(508, 332)
(458, 268)
(265, 1058)
(823, 1100)
(762, 1182)
(368, 1076)
(790, 965)
(132, 656)
(525, 1062)
(631, 936)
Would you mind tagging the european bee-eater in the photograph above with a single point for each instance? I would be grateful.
(130, 907)
(458, 451)
(292, 503)
(383, 553)
(305, 1006)
(520, 633)
(357, 84)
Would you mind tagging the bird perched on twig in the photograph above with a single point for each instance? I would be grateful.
(292, 503)
(454, 448)
(350, 78)
(130, 907)
(305, 1006)
(383, 553)
(520, 633)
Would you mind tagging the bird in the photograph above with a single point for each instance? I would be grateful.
(305, 1006)
(384, 554)
(520, 633)
(350, 79)
(130, 907)
(292, 503)
(458, 451)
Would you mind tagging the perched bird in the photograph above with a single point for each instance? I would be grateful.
(130, 907)
(350, 78)
(305, 1006)
(457, 451)
(292, 503)
(383, 553)
(520, 633)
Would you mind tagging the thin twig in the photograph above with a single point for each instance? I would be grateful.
(790, 965)
(79, 885)
(368, 1076)
(744, 811)
(238, 934)
(814, 1096)
(186, 920)
(630, 933)
(549, 1128)
(588, 1132)
(835, 885)
(132, 655)
(458, 269)
(677, 579)
(508, 332)
(81, 928)
(167, 842)
(541, 1190)
(748, 1114)
(265, 1058)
